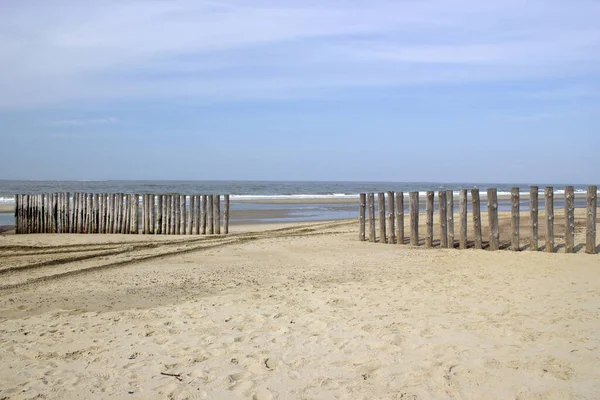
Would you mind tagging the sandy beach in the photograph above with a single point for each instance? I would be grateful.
(294, 311)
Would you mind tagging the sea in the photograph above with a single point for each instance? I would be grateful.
(255, 193)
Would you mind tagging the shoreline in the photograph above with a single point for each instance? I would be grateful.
(9, 208)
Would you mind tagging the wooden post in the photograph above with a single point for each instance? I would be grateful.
(123, 212)
(182, 214)
(177, 211)
(400, 217)
(136, 217)
(89, 213)
(217, 209)
(371, 205)
(118, 211)
(450, 214)
(492, 198)
(362, 205)
(569, 219)
(443, 219)
(96, 207)
(204, 214)
(197, 208)
(515, 220)
(165, 214)
(226, 215)
(478, 240)
(44, 202)
(391, 229)
(159, 215)
(210, 214)
(463, 219)
(429, 208)
(153, 213)
(45, 214)
(414, 218)
(81, 228)
(17, 214)
(169, 201)
(192, 215)
(533, 218)
(381, 213)
(83, 209)
(592, 206)
(549, 206)
(128, 210)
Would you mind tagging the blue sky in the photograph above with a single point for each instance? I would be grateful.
(431, 90)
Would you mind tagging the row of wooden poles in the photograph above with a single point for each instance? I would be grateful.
(162, 214)
(394, 232)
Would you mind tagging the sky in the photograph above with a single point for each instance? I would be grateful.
(405, 90)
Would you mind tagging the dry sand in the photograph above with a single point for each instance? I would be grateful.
(302, 311)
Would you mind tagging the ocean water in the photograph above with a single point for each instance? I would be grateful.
(265, 190)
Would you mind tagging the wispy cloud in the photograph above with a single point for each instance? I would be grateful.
(85, 122)
(68, 50)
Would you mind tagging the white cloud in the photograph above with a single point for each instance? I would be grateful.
(70, 50)
(85, 122)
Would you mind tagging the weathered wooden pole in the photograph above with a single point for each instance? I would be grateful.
(123, 212)
(549, 206)
(96, 206)
(533, 219)
(381, 215)
(144, 213)
(17, 214)
(159, 214)
(492, 198)
(462, 198)
(44, 202)
(119, 212)
(89, 213)
(362, 205)
(153, 214)
(197, 213)
(82, 213)
(371, 205)
(183, 210)
(83, 216)
(177, 207)
(65, 218)
(477, 235)
(165, 214)
(569, 219)
(136, 216)
(515, 220)
(429, 208)
(192, 215)
(592, 206)
(443, 219)
(210, 215)
(128, 211)
(203, 216)
(450, 215)
(391, 229)
(414, 218)
(217, 210)
(400, 217)
(169, 201)
(226, 215)
(45, 215)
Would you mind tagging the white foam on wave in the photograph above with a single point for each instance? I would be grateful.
(292, 196)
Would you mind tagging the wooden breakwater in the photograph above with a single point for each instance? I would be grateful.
(391, 225)
(154, 214)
